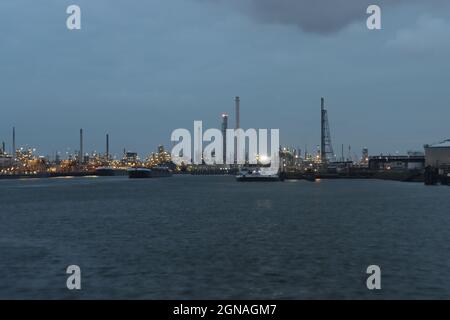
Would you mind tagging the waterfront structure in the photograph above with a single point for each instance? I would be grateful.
(326, 148)
(6, 160)
(131, 156)
(162, 157)
(288, 157)
(365, 157)
(25, 163)
(438, 155)
(397, 162)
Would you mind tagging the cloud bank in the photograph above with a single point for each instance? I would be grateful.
(318, 16)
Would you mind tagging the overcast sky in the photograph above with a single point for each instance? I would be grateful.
(140, 69)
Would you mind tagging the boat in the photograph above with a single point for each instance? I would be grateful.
(139, 173)
(259, 174)
(143, 173)
(308, 176)
(160, 172)
(110, 172)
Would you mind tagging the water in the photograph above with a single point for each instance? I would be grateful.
(194, 237)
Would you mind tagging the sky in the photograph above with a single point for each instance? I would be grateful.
(140, 69)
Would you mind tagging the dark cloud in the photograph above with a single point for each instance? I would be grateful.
(317, 16)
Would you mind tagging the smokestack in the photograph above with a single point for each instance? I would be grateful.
(3, 147)
(224, 136)
(14, 143)
(81, 147)
(107, 146)
(322, 130)
(237, 102)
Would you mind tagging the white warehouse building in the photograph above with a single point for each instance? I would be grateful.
(438, 155)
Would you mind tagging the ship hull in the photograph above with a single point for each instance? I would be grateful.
(258, 179)
(110, 172)
(259, 175)
(148, 173)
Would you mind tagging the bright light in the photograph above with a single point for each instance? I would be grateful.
(264, 159)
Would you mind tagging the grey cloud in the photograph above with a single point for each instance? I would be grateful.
(426, 37)
(316, 16)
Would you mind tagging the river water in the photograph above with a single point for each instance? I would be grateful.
(208, 237)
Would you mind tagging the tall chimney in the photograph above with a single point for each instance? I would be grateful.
(81, 147)
(3, 147)
(224, 136)
(14, 153)
(322, 130)
(107, 146)
(237, 103)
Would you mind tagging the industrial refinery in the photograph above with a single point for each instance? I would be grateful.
(430, 167)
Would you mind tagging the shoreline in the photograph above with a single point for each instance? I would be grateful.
(392, 176)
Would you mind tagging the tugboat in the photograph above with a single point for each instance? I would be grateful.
(259, 174)
(143, 173)
(160, 172)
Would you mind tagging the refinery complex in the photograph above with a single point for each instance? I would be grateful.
(430, 166)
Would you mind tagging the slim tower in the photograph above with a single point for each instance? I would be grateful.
(237, 104)
(107, 146)
(326, 148)
(80, 159)
(322, 130)
(14, 153)
(224, 135)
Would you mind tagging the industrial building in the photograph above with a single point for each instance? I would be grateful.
(438, 155)
(6, 161)
(409, 162)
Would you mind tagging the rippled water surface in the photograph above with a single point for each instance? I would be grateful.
(194, 237)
